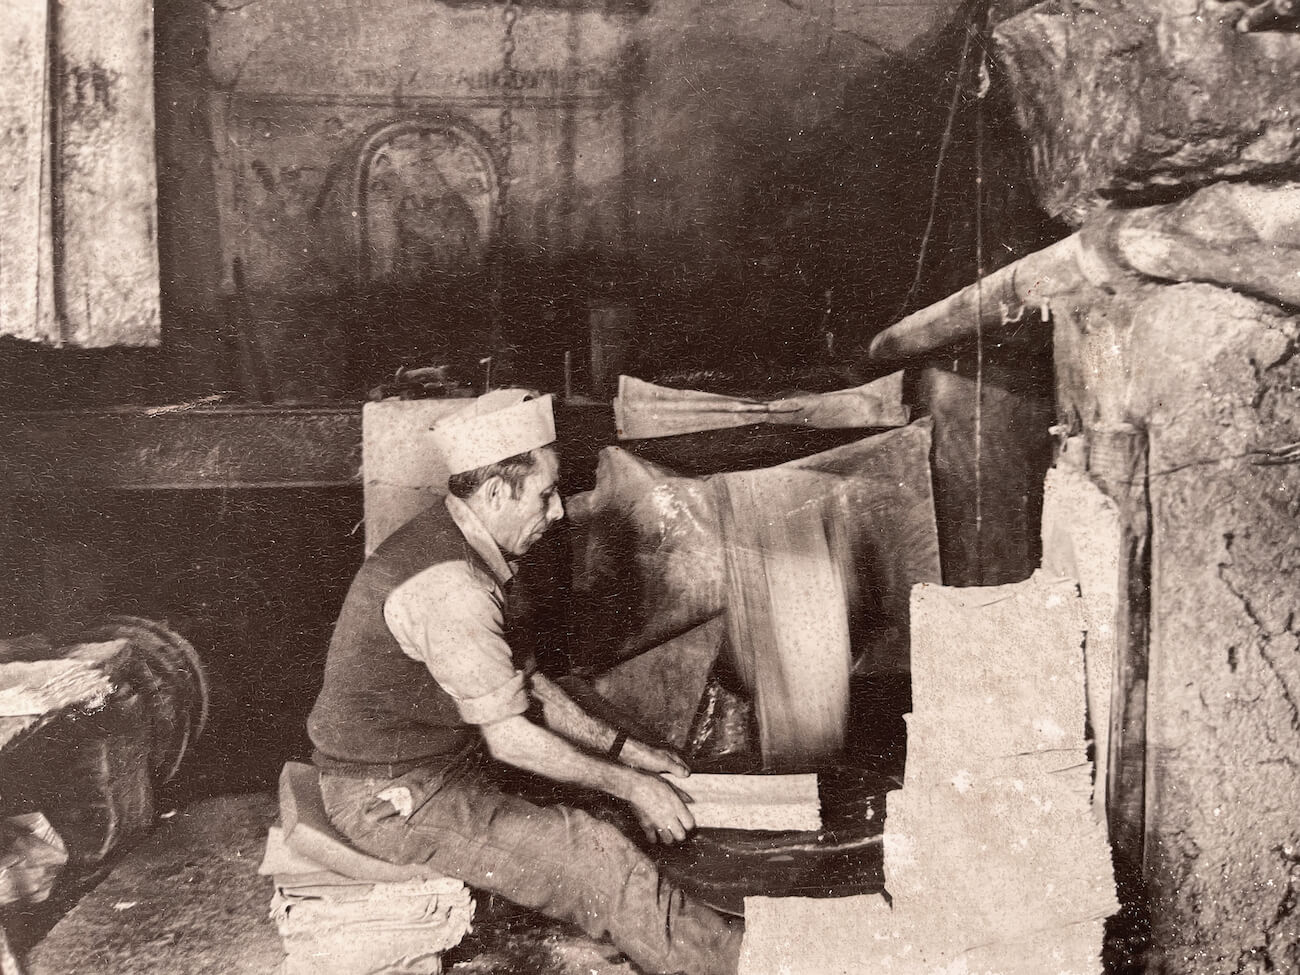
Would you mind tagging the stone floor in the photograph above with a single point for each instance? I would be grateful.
(189, 900)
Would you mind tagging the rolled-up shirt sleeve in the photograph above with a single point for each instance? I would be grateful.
(451, 622)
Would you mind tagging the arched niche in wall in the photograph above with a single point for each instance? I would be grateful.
(424, 203)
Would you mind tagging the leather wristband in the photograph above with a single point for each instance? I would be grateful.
(616, 748)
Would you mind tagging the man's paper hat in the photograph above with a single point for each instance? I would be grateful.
(495, 426)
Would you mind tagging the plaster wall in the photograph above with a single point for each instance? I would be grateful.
(301, 86)
(667, 129)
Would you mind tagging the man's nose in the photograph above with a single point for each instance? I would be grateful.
(555, 510)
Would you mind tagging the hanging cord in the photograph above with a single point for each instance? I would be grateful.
(980, 271)
(979, 312)
(959, 82)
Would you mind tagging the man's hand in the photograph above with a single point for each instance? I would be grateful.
(661, 809)
(638, 755)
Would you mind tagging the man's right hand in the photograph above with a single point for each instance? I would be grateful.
(661, 809)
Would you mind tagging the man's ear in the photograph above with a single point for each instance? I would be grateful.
(494, 491)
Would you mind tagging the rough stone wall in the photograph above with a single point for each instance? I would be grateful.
(1213, 376)
(1224, 727)
(1126, 97)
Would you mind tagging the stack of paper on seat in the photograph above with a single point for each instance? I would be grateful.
(644, 410)
(332, 924)
(766, 802)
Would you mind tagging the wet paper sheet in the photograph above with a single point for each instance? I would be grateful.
(757, 802)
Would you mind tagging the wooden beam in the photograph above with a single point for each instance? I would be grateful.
(992, 304)
(180, 448)
(200, 447)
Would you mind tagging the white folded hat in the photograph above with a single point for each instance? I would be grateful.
(497, 425)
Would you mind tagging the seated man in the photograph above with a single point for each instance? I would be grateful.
(423, 704)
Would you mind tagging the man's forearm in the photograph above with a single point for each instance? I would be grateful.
(525, 745)
(567, 718)
(659, 807)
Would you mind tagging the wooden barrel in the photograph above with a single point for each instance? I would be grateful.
(164, 670)
(95, 772)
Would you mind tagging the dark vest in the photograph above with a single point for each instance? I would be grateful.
(380, 712)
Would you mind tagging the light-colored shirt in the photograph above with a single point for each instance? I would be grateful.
(451, 618)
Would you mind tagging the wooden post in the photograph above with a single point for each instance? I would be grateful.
(1118, 459)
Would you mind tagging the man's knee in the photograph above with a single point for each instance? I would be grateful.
(603, 836)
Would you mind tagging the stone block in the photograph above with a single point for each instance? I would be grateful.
(1212, 376)
(995, 808)
(401, 470)
(1129, 96)
(992, 857)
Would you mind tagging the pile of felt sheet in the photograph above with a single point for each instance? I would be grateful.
(994, 862)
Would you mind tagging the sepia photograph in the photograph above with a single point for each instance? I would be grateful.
(650, 487)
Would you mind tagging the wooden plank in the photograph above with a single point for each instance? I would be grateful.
(179, 448)
(186, 446)
(1082, 540)
(107, 285)
(25, 242)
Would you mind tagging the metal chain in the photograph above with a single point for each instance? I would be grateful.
(505, 139)
(509, 84)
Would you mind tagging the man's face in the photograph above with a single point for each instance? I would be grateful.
(523, 519)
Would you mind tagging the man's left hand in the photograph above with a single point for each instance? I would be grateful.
(641, 756)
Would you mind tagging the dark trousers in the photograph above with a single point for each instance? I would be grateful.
(555, 859)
